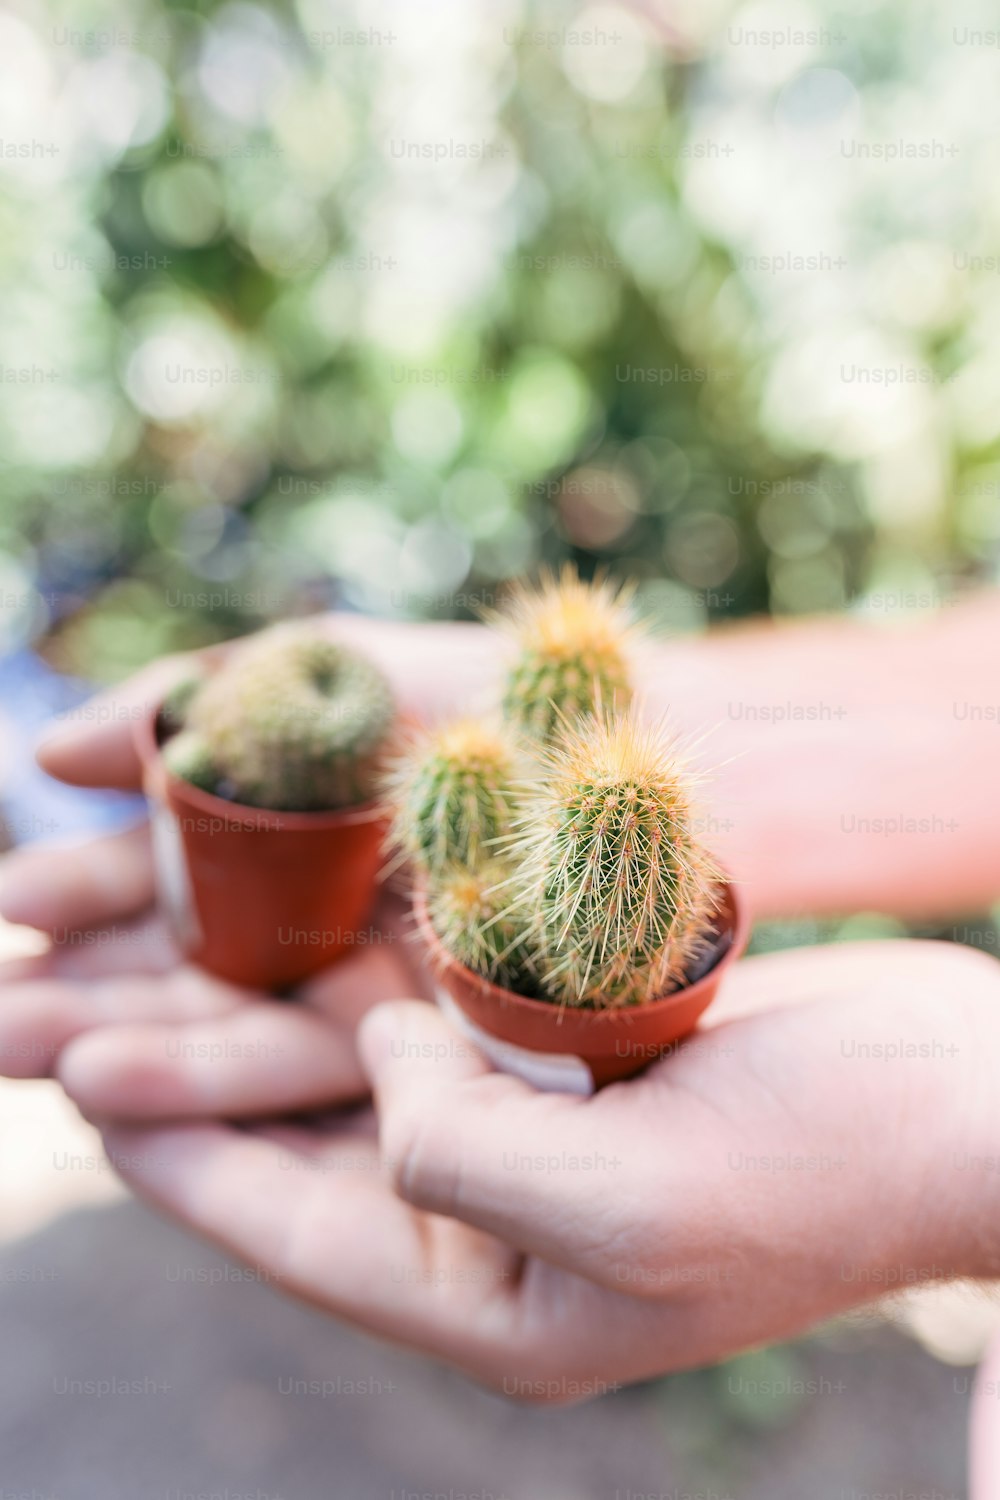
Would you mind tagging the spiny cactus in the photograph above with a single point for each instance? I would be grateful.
(473, 914)
(566, 868)
(451, 795)
(292, 722)
(572, 652)
(621, 894)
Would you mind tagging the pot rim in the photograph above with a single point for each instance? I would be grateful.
(240, 814)
(558, 1013)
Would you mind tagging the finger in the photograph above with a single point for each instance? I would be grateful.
(266, 1057)
(138, 949)
(332, 1231)
(92, 744)
(38, 1020)
(487, 1149)
(270, 1057)
(352, 986)
(60, 889)
(796, 976)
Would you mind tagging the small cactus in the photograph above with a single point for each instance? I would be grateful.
(452, 796)
(472, 913)
(572, 653)
(562, 865)
(621, 894)
(292, 722)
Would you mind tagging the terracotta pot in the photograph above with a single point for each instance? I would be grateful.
(260, 898)
(573, 1049)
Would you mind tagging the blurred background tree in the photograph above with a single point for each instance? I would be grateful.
(329, 304)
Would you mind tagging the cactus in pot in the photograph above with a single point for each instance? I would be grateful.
(566, 862)
(292, 722)
(267, 837)
(616, 890)
(573, 917)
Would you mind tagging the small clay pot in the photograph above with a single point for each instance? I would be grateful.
(575, 1049)
(260, 898)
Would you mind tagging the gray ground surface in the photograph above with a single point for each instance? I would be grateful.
(115, 1294)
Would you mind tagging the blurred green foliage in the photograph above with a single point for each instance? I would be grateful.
(320, 305)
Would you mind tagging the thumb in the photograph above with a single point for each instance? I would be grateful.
(93, 744)
(488, 1149)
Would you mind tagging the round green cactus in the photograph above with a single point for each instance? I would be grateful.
(451, 795)
(474, 914)
(187, 756)
(620, 892)
(292, 722)
(572, 643)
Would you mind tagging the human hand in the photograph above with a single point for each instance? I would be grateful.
(764, 821)
(112, 1010)
(111, 1006)
(823, 1139)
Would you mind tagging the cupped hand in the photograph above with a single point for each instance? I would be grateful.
(823, 1140)
(112, 1010)
(134, 1032)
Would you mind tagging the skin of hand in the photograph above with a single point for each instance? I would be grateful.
(825, 1138)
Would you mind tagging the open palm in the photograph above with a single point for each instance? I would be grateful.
(772, 1172)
